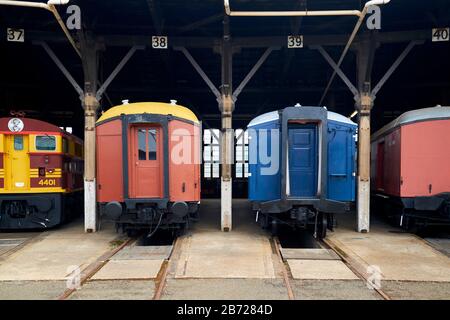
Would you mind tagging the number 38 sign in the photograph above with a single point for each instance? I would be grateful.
(159, 42)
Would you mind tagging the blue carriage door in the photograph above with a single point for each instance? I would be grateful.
(303, 160)
(341, 163)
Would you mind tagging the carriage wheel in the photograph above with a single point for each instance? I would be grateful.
(264, 221)
(274, 227)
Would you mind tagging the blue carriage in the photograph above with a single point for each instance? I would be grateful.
(302, 164)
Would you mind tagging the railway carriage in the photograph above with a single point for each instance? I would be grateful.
(411, 168)
(41, 174)
(315, 175)
(148, 166)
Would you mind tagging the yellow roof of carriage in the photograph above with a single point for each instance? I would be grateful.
(150, 108)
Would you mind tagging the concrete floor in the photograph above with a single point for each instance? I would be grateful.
(31, 290)
(39, 266)
(116, 290)
(211, 264)
(400, 256)
(206, 252)
(416, 290)
(441, 244)
(333, 290)
(53, 254)
(238, 265)
(10, 242)
(411, 267)
(219, 289)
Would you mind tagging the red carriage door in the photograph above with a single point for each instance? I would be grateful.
(380, 167)
(146, 166)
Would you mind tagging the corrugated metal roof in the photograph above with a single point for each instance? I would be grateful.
(434, 113)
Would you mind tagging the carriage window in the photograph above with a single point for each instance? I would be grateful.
(18, 143)
(152, 144)
(142, 144)
(46, 143)
(147, 144)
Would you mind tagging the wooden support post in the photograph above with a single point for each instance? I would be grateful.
(227, 148)
(363, 200)
(89, 49)
(90, 117)
(365, 57)
(226, 105)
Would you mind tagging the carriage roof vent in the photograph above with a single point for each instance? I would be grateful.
(173, 102)
(126, 101)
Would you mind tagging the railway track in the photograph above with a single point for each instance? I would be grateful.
(284, 268)
(171, 260)
(22, 242)
(161, 279)
(354, 266)
(94, 267)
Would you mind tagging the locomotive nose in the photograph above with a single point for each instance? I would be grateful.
(180, 209)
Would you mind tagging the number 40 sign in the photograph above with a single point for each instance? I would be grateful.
(441, 34)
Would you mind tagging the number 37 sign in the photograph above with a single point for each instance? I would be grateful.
(15, 35)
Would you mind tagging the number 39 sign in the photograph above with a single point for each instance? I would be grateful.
(295, 42)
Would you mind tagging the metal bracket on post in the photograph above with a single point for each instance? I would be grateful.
(394, 67)
(337, 70)
(199, 70)
(116, 71)
(61, 67)
(253, 71)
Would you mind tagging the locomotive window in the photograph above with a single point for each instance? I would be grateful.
(152, 144)
(142, 147)
(65, 145)
(46, 143)
(18, 143)
(78, 150)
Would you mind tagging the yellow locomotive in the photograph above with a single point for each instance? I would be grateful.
(41, 174)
